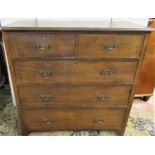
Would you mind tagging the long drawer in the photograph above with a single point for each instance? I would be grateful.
(41, 44)
(110, 45)
(112, 72)
(73, 119)
(73, 96)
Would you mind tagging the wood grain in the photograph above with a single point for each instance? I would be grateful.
(75, 71)
(67, 120)
(25, 44)
(93, 45)
(74, 96)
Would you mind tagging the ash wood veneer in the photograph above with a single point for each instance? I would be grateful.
(79, 71)
(66, 119)
(94, 45)
(76, 76)
(92, 96)
(27, 44)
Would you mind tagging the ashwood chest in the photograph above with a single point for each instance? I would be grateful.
(74, 78)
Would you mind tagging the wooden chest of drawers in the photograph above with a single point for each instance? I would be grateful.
(74, 78)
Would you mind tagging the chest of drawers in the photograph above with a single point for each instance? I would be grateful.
(74, 78)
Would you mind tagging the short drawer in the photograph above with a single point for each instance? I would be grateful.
(110, 45)
(73, 119)
(75, 71)
(73, 96)
(41, 44)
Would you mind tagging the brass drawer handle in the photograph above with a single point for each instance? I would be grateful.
(103, 97)
(99, 120)
(111, 46)
(42, 46)
(106, 72)
(46, 98)
(48, 121)
(44, 73)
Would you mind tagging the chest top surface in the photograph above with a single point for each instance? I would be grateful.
(78, 25)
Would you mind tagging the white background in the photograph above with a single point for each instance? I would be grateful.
(140, 21)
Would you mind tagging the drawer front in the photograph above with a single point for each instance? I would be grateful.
(74, 96)
(72, 120)
(110, 45)
(36, 44)
(75, 71)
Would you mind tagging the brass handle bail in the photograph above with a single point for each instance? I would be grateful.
(111, 46)
(48, 121)
(99, 120)
(44, 73)
(103, 97)
(106, 72)
(42, 46)
(46, 98)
